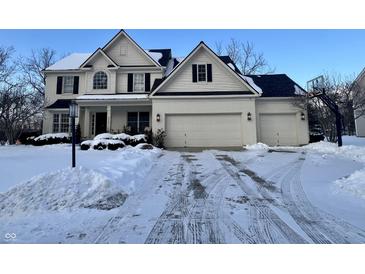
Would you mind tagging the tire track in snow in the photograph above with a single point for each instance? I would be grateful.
(266, 216)
(110, 232)
(320, 226)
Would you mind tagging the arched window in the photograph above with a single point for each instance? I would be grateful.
(100, 80)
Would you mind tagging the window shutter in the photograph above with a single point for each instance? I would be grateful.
(147, 81)
(209, 72)
(195, 74)
(130, 82)
(76, 84)
(59, 85)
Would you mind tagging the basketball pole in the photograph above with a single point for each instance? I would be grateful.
(331, 104)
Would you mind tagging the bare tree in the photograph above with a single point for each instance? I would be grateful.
(33, 66)
(338, 88)
(18, 105)
(5, 68)
(218, 47)
(245, 57)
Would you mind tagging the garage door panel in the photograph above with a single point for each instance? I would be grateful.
(278, 129)
(203, 130)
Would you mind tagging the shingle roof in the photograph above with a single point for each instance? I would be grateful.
(166, 55)
(61, 103)
(277, 85)
(226, 59)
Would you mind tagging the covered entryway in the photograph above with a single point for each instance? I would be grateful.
(203, 130)
(278, 129)
(100, 122)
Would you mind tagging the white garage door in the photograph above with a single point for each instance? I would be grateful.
(203, 130)
(278, 129)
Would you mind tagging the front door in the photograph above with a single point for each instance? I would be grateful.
(100, 122)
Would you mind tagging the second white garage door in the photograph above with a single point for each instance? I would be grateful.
(203, 130)
(278, 129)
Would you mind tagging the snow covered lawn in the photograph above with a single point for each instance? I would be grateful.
(313, 194)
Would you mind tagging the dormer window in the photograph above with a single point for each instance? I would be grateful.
(100, 80)
(202, 73)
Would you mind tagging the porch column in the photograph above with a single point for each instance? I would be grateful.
(87, 123)
(108, 118)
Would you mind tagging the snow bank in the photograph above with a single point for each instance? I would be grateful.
(258, 146)
(64, 189)
(103, 188)
(52, 136)
(355, 183)
(351, 152)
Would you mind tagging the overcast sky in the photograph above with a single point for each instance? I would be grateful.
(302, 54)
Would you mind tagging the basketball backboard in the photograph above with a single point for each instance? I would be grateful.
(315, 86)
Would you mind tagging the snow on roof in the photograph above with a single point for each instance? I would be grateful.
(250, 81)
(113, 97)
(298, 90)
(231, 66)
(72, 61)
(154, 55)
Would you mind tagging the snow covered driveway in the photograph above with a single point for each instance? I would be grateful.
(251, 196)
(216, 197)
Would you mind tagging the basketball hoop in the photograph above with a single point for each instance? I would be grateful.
(315, 87)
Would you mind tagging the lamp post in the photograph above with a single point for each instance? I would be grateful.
(73, 112)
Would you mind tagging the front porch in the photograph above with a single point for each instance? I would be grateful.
(114, 117)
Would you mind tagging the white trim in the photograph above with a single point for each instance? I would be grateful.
(92, 56)
(190, 56)
(204, 96)
(107, 79)
(122, 32)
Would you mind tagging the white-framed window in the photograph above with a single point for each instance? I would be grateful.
(61, 123)
(138, 121)
(68, 84)
(100, 80)
(138, 82)
(202, 73)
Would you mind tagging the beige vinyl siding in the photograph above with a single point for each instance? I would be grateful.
(133, 57)
(51, 87)
(223, 80)
(122, 79)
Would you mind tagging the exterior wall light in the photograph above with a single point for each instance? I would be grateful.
(302, 116)
(249, 117)
(158, 117)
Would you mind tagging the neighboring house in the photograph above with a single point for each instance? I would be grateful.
(358, 88)
(201, 100)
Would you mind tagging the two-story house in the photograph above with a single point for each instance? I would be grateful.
(201, 100)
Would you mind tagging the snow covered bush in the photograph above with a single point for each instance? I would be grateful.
(101, 144)
(159, 138)
(145, 146)
(122, 137)
(85, 145)
(137, 139)
(51, 138)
